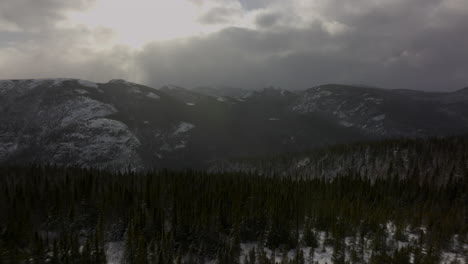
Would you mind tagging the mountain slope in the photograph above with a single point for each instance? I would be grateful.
(120, 124)
(387, 112)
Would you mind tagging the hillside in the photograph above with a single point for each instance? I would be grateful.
(119, 124)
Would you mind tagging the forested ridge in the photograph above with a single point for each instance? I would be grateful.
(440, 159)
(74, 215)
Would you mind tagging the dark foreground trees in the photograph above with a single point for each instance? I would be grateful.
(68, 215)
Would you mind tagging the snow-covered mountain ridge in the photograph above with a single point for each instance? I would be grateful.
(120, 124)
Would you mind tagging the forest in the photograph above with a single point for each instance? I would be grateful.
(74, 215)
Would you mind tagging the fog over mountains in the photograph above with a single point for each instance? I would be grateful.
(119, 124)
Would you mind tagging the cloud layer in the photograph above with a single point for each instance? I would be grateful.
(418, 44)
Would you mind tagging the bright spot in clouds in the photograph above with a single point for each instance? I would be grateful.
(137, 22)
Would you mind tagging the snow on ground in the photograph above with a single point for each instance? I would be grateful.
(84, 108)
(321, 94)
(21, 87)
(273, 119)
(96, 138)
(81, 91)
(190, 104)
(107, 124)
(114, 252)
(322, 254)
(88, 84)
(374, 100)
(181, 145)
(153, 96)
(302, 162)
(379, 118)
(221, 99)
(183, 127)
(52, 82)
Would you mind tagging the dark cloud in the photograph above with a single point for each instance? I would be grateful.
(396, 45)
(35, 14)
(255, 4)
(418, 44)
(268, 19)
(220, 15)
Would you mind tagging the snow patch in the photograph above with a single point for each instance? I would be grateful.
(221, 99)
(23, 86)
(302, 163)
(34, 83)
(114, 252)
(183, 127)
(190, 104)
(322, 94)
(346, 123)
(84, 108)
(181, 145)
(108, 124)
(273, 119)
(81, 91)
(374, 100)
(153, 96)
(379, 118)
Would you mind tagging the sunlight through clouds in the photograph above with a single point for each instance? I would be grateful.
(138, 22)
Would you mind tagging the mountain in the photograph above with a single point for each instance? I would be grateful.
(395, 113)
(222, 91)
(119, 124)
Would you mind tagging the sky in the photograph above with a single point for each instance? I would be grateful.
(292, 44)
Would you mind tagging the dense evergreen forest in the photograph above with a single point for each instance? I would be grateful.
(439, 159)
(74, 215)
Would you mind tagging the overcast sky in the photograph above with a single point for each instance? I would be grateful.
(293, 44)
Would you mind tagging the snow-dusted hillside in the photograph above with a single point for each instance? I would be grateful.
(387, 112)
(120, 124)
(76, 122)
